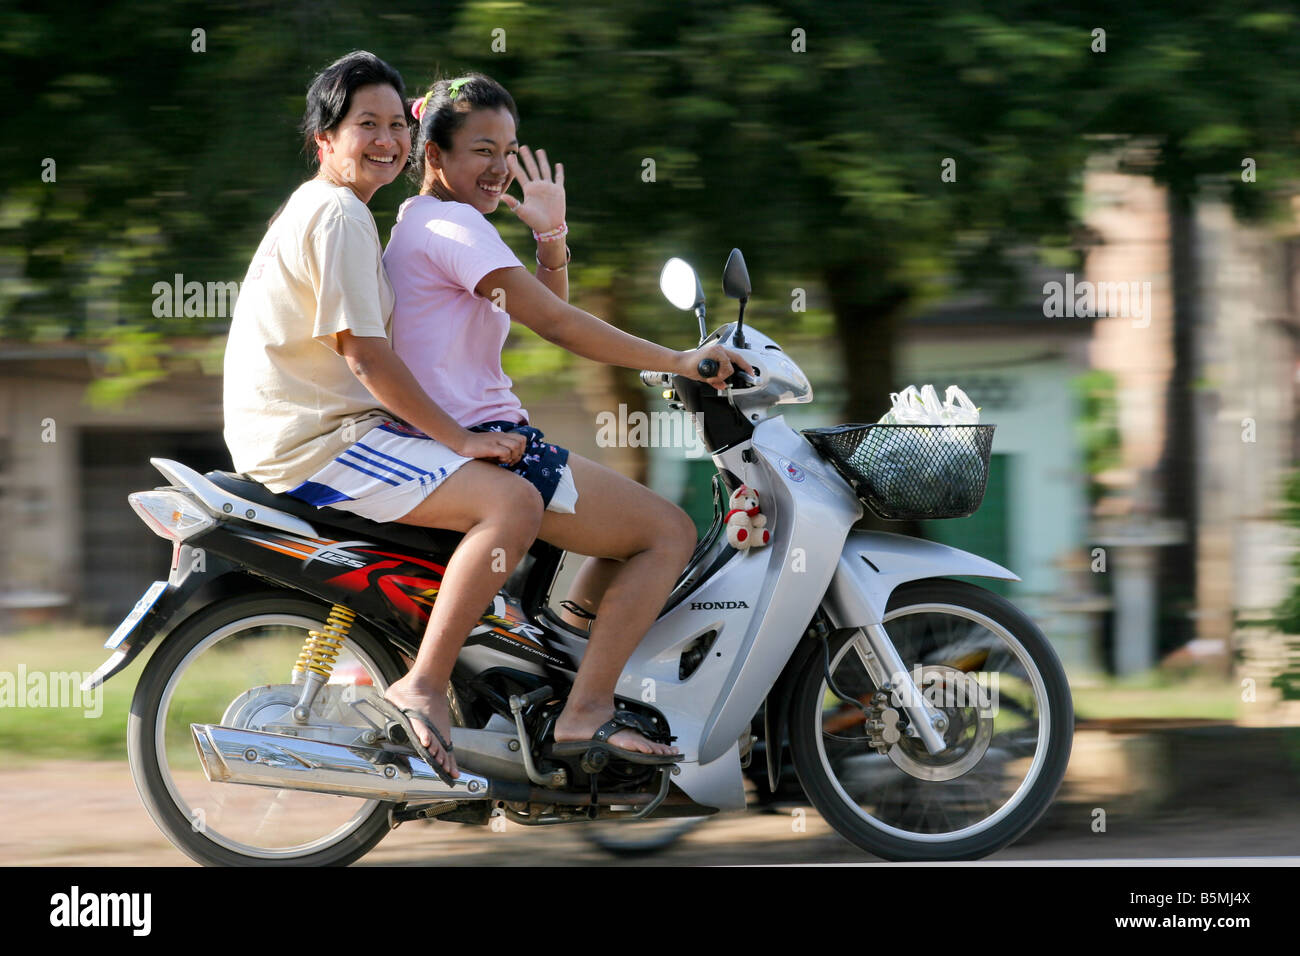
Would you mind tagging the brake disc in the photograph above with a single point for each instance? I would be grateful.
(967, 736)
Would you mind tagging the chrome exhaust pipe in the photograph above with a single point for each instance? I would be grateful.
(298, 763)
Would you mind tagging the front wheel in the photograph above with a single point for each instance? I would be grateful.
(208, 662)
(1010, 724)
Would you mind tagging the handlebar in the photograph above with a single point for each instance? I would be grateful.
(707, 368)
(737, 379)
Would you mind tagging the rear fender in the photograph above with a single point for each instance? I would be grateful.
(197, 579)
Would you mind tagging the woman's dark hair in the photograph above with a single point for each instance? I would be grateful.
(444, 113)
(330, 95)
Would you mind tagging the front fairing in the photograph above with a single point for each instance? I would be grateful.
(728, 418)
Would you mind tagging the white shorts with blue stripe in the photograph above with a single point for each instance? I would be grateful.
(391, 470)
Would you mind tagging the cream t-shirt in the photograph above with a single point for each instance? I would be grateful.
(291, 402)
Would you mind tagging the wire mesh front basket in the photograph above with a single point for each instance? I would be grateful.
(910, 471)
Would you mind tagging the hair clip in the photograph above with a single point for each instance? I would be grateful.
(418, 109)
(455, 86)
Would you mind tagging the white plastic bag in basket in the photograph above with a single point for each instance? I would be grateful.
(906, 472)
(922, 407)
(958, 408)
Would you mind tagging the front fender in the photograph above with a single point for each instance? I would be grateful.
(873, 563)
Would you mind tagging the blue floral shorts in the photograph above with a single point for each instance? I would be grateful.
(543, 464)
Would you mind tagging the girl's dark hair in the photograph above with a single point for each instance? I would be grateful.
(444, 113)
(330, 95)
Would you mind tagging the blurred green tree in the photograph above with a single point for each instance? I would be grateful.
(874, 156)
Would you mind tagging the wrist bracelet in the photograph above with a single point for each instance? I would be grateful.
(559, 232)
(568, 255)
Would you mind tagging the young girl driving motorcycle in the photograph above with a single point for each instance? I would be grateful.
(457, 287)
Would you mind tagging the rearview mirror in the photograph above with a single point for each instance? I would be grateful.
(735, 277)
(680, 285)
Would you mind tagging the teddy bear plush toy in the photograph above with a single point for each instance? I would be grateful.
(746, 528)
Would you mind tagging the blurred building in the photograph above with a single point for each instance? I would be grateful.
(72, 546)
(1018, 365)
(1206, 414)
(1205, 369)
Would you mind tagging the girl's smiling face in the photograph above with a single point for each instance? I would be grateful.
(369, 147)
(474, 170)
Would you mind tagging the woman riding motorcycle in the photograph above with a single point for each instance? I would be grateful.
(315, 398)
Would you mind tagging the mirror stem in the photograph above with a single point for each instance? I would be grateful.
(739, 338)
(704, 329)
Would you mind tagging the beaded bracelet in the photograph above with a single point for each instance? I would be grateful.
(568, 255)
(559, 232)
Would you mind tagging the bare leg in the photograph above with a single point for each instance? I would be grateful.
(589, 587)
(651, 540)
(500, 513)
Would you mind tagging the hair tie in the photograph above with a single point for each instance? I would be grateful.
(454, 88)
(418, 109)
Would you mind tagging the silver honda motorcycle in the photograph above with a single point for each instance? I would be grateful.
(926, 718)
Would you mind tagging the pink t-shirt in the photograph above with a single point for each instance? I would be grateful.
(449, 336)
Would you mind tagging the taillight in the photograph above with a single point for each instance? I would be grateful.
(170, 514)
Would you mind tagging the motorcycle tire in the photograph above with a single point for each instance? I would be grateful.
(193, 812)
(900, 805)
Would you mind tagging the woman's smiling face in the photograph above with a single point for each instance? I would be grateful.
(474, 170)
(369, 147)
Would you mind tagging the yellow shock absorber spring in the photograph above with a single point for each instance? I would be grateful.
(321, 649)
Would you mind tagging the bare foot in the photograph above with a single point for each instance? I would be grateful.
(433, 704)
(578, 723)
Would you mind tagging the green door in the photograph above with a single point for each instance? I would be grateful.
(697, 496)
(987, 532)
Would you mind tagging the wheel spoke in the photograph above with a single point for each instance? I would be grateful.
(991, 690)
(232, 674)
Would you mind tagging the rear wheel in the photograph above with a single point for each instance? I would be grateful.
(1010, 724)
(208, 662)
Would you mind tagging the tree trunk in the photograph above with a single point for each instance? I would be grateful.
(1176, 470)
(603, 388)
(868, 316)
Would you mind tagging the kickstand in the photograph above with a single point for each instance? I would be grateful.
(653, 805)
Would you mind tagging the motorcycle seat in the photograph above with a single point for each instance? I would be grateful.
(433, 540)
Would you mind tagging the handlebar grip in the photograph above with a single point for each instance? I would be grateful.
(708, 367)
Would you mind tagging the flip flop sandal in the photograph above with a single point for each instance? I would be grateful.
(622, 720)
(401, 717)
